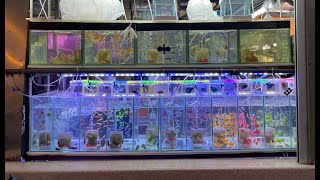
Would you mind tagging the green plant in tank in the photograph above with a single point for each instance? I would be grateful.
(151, 135)
(260, 117)
(269, 119)
(121, 113)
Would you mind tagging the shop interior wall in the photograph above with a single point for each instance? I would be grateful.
(15, 50)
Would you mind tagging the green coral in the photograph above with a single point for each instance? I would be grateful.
(152, 136)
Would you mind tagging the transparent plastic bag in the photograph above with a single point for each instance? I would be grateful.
(201, 10)
(91, 9)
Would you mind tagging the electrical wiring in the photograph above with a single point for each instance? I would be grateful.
(16, 89)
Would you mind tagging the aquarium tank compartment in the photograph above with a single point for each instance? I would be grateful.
(55, 47)
(161, 112)
(265, 46)
(161, 47)
(165, 10)
(213, 46)
(107, 47)
(235, 7)
(143, 9)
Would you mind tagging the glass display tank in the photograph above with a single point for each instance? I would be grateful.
(277, 123)
(235, 7)
(93, 119)
(146, 124)
(225, 124)
(55, 47)
(251, 122)
(107, 47)
(199, 125)
(173, 130)
(213, 46)
(265, 46)
(142, 9)
(66, 123)
(120, 124)
(165, 10)
(165, 47)
(41, 115)
(161, 112)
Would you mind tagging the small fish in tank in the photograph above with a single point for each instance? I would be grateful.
(116, 119)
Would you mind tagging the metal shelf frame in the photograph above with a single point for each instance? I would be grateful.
(38, 24)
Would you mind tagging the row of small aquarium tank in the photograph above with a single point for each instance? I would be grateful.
(64, 121)
(160, 47)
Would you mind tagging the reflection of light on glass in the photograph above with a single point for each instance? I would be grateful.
(50, 40)
(61, 40)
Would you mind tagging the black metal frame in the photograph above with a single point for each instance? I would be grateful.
(284, 154)
(146, 26)
(159, 26)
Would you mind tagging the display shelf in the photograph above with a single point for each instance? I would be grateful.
(158, 21)
(145, 25)
(285, 67)
(143, 115)
(211, 153)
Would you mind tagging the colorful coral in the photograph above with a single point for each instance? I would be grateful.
(225, 130)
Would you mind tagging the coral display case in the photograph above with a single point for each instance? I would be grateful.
(158, 95)
(67, 119)
(55, 47)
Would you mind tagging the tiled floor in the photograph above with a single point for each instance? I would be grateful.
(163, 169)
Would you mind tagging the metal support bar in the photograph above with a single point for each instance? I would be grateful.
(305, 43)
(31, 9)
(155, 69)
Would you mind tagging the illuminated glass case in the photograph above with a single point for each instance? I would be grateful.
(158, 112)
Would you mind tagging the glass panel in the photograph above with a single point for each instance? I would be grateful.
(173, 124)
(277, 122)
(165, 8)
(251, 122)
(107, 47)
(93, 119)
(198, 119)
(265, 46)
(142, 10)
(55, 47)
(165, 47)
(146, 129)
(213, 46)
(41, 117)
(225, 125)
(119, 124)
(293, 109)
(235, 7)
(66, 125)
(38, 47)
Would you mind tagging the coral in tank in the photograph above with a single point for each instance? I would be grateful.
(123, 121)
(170, 138)
(198, 118)
(44, 139)
(115, 140)
(91, 140)
(62, 58)
(225, 130)
(64, 140)
(250, 129)
(152, 136)
(277, 130)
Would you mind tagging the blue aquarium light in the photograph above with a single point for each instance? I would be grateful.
(127, 74)
(154, 74)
